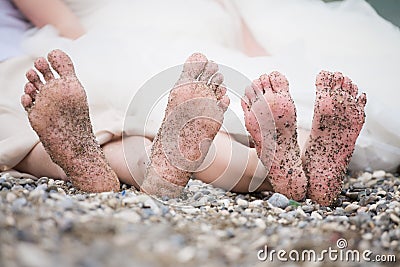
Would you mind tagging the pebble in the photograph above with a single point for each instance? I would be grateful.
(128, 216)
(316, 215)
(208, 227)
(365, 177)
(242, 203)
(395, 218)
(10, 197)
(351, 207)
(278, 200)
(256, 203)
(378, 174)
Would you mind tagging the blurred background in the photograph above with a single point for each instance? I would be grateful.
(389, 9)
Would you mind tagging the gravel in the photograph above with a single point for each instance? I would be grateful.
(49, 223)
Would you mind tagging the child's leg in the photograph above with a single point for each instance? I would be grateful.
(233, 166)
(39, 163)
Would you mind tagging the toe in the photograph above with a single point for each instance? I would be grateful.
(26, 101)
(362, 100)
(30, 90)
(349, 87)
(220, 92)
(61, 63)
(258, 88)
(245, 102)
(192, 68)
(324, 80)
(209, 70)
(217, 79)
(34, 78)
(266, 83)
(337, 80)
(42, 65)
(250, 95)
(224, 102)
(279, 83)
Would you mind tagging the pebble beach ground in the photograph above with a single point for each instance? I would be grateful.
(46, 223)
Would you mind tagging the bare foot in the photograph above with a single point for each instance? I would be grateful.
(59, 113)
(193, 117)
(338, 119)
(270, 117)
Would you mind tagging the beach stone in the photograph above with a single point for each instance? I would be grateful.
(11, 197)
(365, 177)
(67, 204)
(189, 210)
(128, 216)
(224, 202)
(351, 207)
(307, 208)
(197, 195)
(242, 203)
(7, 185)
(32, 256)
(352, 195)
(278, 200)
(42, 180)
(378, 174)
(260, 223)
(395, 218)
(256, 203)
(302, 224)
(300, 213)
(186, 254)
(316, 215)
(152, 205)
(18, 204)
(368, 236)
(23, 181)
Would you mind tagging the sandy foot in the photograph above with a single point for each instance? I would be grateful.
(58, 111)
(270, 117)
(193, 117)
(338, 119)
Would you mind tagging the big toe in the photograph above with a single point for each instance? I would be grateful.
(193, 68)
(61, 63)
(324, 80)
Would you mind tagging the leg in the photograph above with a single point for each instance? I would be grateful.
(270, 117)
(128, 158)
(233, 167)
(128, 164)
(338, 119)
(193, 117)
(39, 164)
(59, 113)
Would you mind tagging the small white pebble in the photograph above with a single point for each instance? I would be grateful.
(256, 203)
(11, 197)
(316, 215)
(242, 203)
(378, 174)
